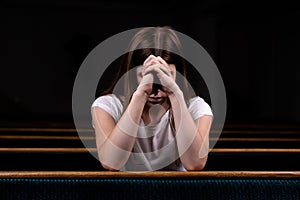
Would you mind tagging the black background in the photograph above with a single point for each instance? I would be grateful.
(254, 44)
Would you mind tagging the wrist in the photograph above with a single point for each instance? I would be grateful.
(176, 95)
(140, 96)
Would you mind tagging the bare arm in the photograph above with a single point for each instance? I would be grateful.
(115, 141)
(192, 136)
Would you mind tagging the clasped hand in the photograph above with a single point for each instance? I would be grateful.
(166, 74)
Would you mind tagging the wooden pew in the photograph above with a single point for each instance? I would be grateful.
(50, 162)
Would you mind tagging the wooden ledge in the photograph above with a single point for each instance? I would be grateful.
(86, 150)
(91, 131)
(153, 175)
(41, 130)
(221, 139)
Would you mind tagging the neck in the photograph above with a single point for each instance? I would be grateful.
(152, 114)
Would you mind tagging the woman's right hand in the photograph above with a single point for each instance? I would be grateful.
(145, 85)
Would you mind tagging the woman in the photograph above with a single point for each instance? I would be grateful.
(154, 123)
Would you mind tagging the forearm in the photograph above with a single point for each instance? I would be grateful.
(192, 144)
(115, 150)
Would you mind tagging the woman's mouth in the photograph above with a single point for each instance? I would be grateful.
(155, 100)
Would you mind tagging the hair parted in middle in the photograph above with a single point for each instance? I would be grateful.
(157, 41)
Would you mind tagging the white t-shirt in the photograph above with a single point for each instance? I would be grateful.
(155, 147)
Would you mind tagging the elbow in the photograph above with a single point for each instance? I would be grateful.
(196, 166)
(106, 167)
(109, 164)
(110, 167)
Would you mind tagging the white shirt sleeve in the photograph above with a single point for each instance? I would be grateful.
(198, 108)
(111, 104)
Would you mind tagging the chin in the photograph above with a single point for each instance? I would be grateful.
(153, 103)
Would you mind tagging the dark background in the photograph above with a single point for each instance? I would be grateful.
(254, 44)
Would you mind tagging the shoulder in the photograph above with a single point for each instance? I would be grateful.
(111, 104)
(198, 107)
(107, 100)
(196, 99)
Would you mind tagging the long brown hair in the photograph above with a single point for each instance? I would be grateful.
(157, 41)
